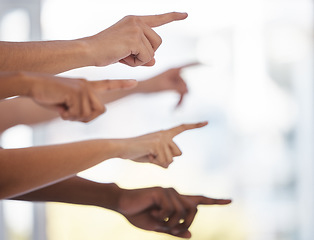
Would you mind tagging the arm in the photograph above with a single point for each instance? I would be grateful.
(130, 41)
(23, 110)
(169, 80)
(28, 112)
(27, 169)
(72, 99)
(155, 209)
(77, 190)
(44, 56)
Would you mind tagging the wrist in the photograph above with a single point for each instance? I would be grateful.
(84, 50)
(144, 86)
(125, 148)
(111, 197)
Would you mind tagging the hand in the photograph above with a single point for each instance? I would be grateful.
(169, 80)
(74, 99)
(131, 41)
(163, 209)
(157, 148)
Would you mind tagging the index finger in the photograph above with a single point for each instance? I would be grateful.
(161, 19)
(208, 201)
(192, 64)
(183, 127)
(105, 85)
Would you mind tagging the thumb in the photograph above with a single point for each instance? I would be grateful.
(106, 85)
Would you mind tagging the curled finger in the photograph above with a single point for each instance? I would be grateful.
(174, 149)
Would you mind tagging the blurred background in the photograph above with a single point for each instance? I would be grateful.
(254, 86)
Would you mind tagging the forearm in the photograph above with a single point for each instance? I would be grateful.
(13, 84)
(45, 57)
(23, 110)
(27, 169)
(77, 190)
(142, 87)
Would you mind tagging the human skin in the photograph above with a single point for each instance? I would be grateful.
(24, 110)
(131, 41)
(146, 208)
(72, 98)
(27, 169)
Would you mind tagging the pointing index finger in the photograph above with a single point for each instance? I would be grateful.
(183, 127)
(161, 19)
(192, 64)
(208, 201)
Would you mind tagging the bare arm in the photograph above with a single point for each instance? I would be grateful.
(131, 41)
(155, 209)
(45, 56)
(26, 111)
(72, 99)
(23, 110)
(77, 190)
(27, 169)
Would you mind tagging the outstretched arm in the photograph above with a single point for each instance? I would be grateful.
(131, 41)
(155, 209)
(77, 190)
(26, 111)
(27, 169)
(169, 80)
(72, 98)
(23, 110)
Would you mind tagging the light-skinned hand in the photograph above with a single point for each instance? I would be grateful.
(170, 80)
(74, 99)
(131, 40)
(158, 147)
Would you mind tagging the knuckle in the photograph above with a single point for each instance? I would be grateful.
(131, 18)
(136, 33)
(160, 134)
(137, 30)
(157, 191)
(172, 190)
